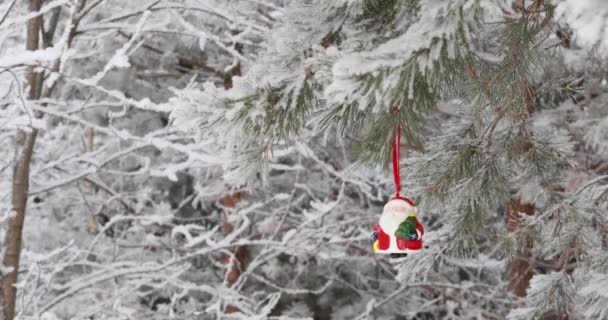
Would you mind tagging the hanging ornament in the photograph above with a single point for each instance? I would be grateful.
(398, 232)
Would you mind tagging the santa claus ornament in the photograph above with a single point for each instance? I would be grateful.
(398, 232)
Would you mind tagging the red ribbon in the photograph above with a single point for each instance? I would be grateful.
(396, 147)
(396, 174)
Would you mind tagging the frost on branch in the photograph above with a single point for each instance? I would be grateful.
(548, 292)
(145, 131)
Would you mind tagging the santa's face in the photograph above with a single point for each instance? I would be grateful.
(395, 212)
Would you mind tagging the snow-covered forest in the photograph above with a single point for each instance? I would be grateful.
(231, 159)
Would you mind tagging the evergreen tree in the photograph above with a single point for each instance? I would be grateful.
(359, 69)
(227, 159)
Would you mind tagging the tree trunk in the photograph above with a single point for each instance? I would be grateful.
(236, 69)
(21, 177)
(520, 268)
(236, 260)
(15, 226)
(25, 148)
(90, 146)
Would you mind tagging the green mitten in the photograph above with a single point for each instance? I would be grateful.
(407, 229)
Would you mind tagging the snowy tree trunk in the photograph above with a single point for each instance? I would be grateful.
(235, 70)
(91, 221)
(235, 261)
(21, 176)
(520, 268)
(25, 148)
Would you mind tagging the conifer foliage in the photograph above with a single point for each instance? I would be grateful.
(493, 167)
(227, 159)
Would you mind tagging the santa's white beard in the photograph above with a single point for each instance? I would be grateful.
(389, 222)
(395, 212)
